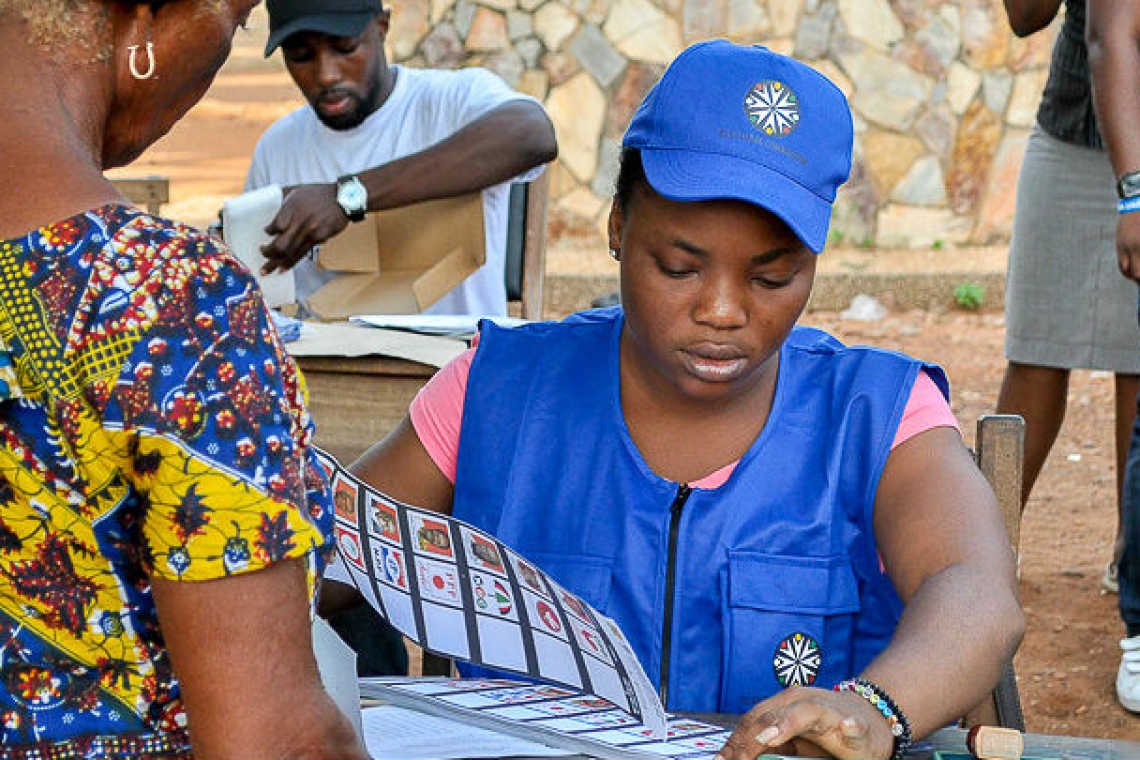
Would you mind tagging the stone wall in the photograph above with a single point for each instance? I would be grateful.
(943, 94)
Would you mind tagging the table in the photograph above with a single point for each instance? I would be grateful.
(355, 401)
(1037, 745)
(362, 379)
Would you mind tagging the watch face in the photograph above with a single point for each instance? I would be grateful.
(1128, 186)
(352, 197)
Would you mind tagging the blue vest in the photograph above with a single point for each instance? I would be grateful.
(726, 595)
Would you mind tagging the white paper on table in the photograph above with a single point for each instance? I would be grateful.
(244, 219)
(397, 733)
(348, 339)
(337, 664)
(433, 324)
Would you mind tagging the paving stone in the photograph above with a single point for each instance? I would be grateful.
(902, 226)
(577, 109)
(963, 83)
(443, 48)
(974, 149)
(704, 19)
(888, 156)
(887, 93)
(488, 31)
(923, 185)
(642, 32)
(813, 35)
(995, 217)
(519, 25)
(553, 23)
(1026, 96)
(996, 88)
(748, 21)
(873, 22)
(596, 55)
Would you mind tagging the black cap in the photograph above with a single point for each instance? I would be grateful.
(338, 18)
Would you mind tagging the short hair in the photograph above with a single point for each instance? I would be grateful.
(631, 175)
(51, 21)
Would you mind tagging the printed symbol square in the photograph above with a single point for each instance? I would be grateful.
(439, 581)
(432, 535)
(384, 520)
(390, 567)
(344, 499)
(482, 552)
(348, 544)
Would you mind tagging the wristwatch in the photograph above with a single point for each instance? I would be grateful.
(1128, 186)
(352, 197)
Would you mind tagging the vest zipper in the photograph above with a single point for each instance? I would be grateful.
(675, 508)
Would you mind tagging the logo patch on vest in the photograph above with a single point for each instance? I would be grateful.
(796, 661)
(772, 108)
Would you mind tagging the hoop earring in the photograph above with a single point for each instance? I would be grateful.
(132, 64)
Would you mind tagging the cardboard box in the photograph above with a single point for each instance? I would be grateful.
(401, 261)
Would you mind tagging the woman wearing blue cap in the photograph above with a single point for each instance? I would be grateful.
(783, 526)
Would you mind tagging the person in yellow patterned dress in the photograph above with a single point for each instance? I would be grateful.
(162, 517)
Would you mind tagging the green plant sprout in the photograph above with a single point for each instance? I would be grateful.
(969, 295)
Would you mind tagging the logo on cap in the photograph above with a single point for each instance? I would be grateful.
(772, 108)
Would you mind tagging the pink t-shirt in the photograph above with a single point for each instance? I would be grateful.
(437, 416)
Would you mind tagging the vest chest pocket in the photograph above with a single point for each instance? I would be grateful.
(789, 621)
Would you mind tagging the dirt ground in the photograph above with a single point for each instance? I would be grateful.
(1068, 661)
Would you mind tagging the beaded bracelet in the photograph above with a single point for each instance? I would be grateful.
(881, 701)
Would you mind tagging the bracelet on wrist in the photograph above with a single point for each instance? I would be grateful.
(1128, 205)
(881, 701)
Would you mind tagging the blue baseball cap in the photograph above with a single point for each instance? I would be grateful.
(730, 121)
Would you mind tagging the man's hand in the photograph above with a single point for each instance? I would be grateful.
(1128, 245)
(309, 216)
(811, 722)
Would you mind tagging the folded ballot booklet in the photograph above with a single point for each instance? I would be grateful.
(550, 715)
(461, 593)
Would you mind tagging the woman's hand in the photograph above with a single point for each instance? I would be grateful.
(811, 722)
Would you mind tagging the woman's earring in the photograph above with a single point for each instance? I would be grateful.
(132, 64)
(615, 254)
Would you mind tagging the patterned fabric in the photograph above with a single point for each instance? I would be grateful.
(161, 432)
(9, 388)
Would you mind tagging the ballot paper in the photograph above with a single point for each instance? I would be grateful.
(461, 593)
(244, 219)
(398, 733)
(544, 714)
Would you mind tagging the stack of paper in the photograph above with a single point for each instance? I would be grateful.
(552, 716)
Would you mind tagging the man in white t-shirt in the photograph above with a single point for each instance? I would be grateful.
(375, 136)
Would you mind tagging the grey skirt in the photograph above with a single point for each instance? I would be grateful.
(1066, 303)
